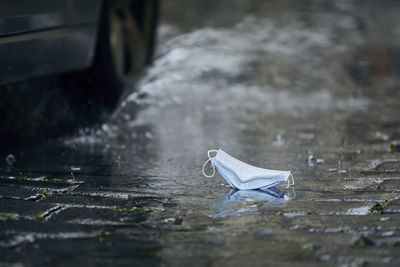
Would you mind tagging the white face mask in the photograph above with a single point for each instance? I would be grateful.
(243, 176)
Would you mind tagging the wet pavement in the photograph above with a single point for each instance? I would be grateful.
(310, 87)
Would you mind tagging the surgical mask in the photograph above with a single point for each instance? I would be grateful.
(243, 176)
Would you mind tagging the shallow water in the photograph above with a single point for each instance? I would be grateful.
(306, 87)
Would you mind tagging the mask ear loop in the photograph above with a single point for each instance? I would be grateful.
(290, 183)
(207, 161)
(290, 193)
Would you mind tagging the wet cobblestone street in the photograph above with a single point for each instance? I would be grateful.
(311, 87)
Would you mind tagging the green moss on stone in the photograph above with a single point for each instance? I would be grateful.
(8, 216)
(379, 207)
(40, 217)
(310, 247)
(394, 147)
(46, 193)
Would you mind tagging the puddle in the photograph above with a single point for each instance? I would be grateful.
(364, 210)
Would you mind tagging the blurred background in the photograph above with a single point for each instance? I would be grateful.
(347, 48)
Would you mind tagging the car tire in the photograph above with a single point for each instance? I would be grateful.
(125, 45)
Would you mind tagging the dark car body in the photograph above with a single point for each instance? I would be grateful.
(47, 36)
(66, 64)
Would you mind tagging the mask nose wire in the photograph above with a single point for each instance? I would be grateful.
(212, 165)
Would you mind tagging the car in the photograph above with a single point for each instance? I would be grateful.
(108, 42)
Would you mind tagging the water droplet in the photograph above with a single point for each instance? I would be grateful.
(311, 160)
(381, 136)
(340, 168)
(10, 159)
(149, 135)
(105, 127)
(279, 140)
(169, 220)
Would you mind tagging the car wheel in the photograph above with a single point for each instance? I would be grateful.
(125, 44)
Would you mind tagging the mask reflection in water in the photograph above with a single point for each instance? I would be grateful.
(236, 202)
